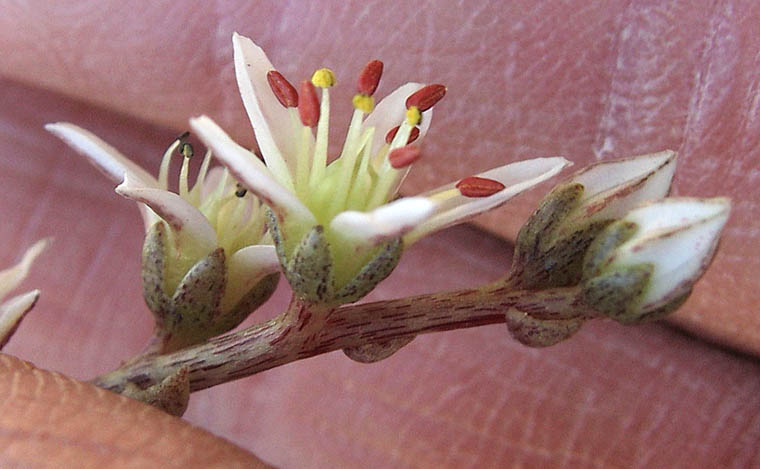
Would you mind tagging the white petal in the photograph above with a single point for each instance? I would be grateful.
(102, 155)
(605, 175)
(11, 278)
(391, 111)
(613, 188)
(270, 120)
(383, 223)
(516, 177)
(186, 221)
(678, 236)
(246, 267)
(246, 168)
(13, 311)
(106, 158)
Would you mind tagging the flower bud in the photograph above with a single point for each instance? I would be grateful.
(644, 266)
(212, 297)
(550, 247)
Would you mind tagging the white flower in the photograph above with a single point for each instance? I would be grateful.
(13, 310)
(352, 199)
(215, 228)
(652, 257)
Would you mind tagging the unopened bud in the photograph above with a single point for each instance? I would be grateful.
(551, 246)
(645, 265)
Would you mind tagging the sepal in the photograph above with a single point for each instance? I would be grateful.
(376, 351)
(540, 332)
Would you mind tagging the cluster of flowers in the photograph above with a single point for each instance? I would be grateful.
(213, 252)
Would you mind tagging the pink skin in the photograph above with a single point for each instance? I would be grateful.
(581, 81)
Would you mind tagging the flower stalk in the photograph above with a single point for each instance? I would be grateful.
(302, 332)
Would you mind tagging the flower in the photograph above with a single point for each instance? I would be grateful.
(644, 266)
(337, 227)
(551, 245)
(207, 262)
(12, 311)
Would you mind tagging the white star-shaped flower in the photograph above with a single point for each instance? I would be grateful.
(353, 199)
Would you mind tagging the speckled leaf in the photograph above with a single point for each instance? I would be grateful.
(561, 265)
(599, 252)
(535, 234)
(274, 231)
(617, 292)
(375, 271)
(374, 352)
(153, 268)
(197, 301)
(310, 268)
(540, 333)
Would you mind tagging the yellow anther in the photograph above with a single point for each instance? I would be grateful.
(364, 103)
(323, 78)
(413, 116)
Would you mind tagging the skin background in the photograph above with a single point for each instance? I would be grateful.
(525, 80)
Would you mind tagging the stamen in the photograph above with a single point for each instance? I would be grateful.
(413, 116)
(240, 191)
(414, 135)
(323, 78)
(186, 150)
(474, 186)
(369, 78)
(319, 159)
(364, 103)
(183, 185)
(285, 93)
(404, 156)
(195, 195)
(163, 172)
(426, 97)
(308, 105)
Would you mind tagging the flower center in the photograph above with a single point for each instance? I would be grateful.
(359, 179)
(235, 215)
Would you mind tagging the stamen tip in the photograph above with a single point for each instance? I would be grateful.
(285, 93)
(323, 78)
(413, 116)
(475, 186)
(364, 103)
(404, 156)
(369, 78)
(413, 135)
(186, 150)
(426, 97)
(308, 105)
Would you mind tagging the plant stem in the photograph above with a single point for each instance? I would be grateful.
(304, 330)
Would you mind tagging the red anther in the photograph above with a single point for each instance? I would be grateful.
(404, 156)
(413, 135)
(308, 105)
(285, 93)
(369, 78)
(474, 186)
(426, 97)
